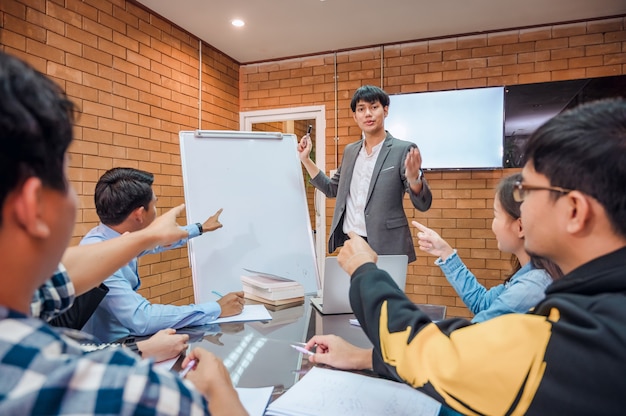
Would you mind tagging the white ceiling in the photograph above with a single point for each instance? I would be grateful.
(278, 29)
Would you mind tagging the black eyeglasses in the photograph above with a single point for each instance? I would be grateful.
(520, 190)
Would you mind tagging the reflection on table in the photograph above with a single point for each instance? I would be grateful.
(259, 354)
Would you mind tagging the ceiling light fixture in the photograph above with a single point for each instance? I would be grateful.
(237, 22)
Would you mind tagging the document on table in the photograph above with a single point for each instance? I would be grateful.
(324, 392)
(167, 364)
(255, 400)
(249, 313)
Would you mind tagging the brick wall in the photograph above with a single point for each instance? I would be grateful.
(135, 78)
(463, 200)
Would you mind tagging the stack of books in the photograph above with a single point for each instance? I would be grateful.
(272, 290)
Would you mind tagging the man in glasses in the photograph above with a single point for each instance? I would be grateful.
(567, 355)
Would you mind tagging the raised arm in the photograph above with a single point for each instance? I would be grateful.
(90, 264)
(213, 222)
(418, 189)
(304, 153)
(432, 243)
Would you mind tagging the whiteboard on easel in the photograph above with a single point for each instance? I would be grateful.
(256, 177)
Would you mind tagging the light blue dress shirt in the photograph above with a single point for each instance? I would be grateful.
(522, 292)
(125, 312)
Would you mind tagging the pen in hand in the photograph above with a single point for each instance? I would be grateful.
(216, 293)
(308, 135)
(302, 350)
(187, 368)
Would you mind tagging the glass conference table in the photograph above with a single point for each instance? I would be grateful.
(259, 353)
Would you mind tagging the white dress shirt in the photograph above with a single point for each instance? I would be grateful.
(359, 188)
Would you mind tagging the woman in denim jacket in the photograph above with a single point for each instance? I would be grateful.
(529, 277)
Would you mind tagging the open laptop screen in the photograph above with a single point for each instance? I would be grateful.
(336, 284)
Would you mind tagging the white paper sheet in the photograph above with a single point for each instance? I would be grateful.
(249, 313)
(255, 400)
(323, 392)
(167, 364)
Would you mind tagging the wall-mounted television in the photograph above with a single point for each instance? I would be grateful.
(456, 129)
(528, 106)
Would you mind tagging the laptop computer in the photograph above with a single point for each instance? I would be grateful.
(335, 300)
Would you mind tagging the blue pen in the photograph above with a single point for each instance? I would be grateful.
(216, 293)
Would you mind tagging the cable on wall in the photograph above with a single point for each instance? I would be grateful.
(200, 85)
(382, 55)
(336, 116)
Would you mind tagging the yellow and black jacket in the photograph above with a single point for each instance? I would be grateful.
(566, 357)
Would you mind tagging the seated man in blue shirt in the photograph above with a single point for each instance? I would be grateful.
(88, 265)
(44, 372)
(125, 202)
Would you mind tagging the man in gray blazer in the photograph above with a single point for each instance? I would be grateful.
(370, 184)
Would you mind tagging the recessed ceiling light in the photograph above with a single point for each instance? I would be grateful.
(237, 22)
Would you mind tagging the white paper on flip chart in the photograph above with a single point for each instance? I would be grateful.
(323, 392)
(249, 313)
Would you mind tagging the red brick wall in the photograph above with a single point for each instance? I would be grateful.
(135, 78)
(462, 207)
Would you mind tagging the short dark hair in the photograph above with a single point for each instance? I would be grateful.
(36, 120)
(369, 94)
(585, 149)
(120, 191)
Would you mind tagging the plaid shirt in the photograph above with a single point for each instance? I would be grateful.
(43, 372)
(53, 297)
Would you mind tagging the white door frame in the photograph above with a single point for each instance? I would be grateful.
(317, 112)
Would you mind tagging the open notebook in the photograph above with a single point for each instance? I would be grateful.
(334, 299)
(324, 391)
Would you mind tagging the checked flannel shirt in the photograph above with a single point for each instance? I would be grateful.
(46, 373)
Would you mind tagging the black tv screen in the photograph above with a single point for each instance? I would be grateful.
(528, 106)
(457, 129)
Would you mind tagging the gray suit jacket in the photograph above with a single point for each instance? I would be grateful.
(385, 220)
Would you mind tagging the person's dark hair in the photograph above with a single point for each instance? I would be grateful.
(120, 191)
(549, 266)
(504, 193)
(585, 149)
(369, 94)
(36, 120)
